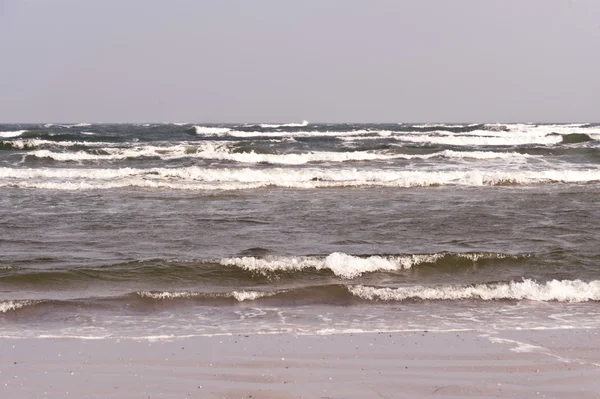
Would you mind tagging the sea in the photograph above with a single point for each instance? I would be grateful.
(171, 230)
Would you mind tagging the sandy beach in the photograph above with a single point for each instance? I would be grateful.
(522, 364)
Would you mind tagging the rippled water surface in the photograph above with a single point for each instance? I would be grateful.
(183, 229)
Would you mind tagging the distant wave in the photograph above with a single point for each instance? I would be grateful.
(270, 125)
(218, 151)
(202, 130)
(36, 143)
(555, 290)
(82, 124)
(548, 129)
(284, 133)
(474, 140)
(15, 133)
(438, 125)
(197, 178)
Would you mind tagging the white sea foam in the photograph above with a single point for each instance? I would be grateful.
(494, 135)
(82, 124)
(249, 295)
(555, 290)
(240, 296)
(520, 347)
(440, 125)
(219, 151)
(15, 133)
(519, 128)
(476, 140)
(216, 152)
(33, 143)
(344, 265)
(168, 295)
(222, 151)
(482, 154)
(549, 129)
(300, 133)
(269, 125)
(7, 306)
(196, 178)
(208, 130)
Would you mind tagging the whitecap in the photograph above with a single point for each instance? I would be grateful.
(203, 130)
(9, 134)
(272, 125)
(554, 290)
(344, 265)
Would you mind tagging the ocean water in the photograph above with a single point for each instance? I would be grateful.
(173, 230)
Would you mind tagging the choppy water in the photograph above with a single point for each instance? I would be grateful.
(183, 229)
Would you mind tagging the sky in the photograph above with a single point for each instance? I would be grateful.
(281, 61)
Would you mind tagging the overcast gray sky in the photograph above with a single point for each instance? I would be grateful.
(321, 60)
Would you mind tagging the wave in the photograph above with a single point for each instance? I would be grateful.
(246, 270)
(220, 151)
(268, 125)
(555, 290)
(82, 124)
(239, 296)
(197, 178)
(8, 306)
(202, 130)
(26, 144)
(15, 133)
(561, 129)
(476, 140)
(440, 126)
(573, 291)
(350, 266)
(500, 128)
(213, 152)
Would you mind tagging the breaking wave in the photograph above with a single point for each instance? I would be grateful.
(349, 266)
(475, 140)
(554, 290)
(269, 125)
(15, 133)
(239, 296)
(211, 130)
(25, 144)
(219, 151)
(197, 178)
(8, 306)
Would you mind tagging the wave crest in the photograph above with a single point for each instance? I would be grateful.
(7, 306)
(350, 266)
(211, 130)
(239, 296)
(274, 126)
(554, 290)
(15, 133)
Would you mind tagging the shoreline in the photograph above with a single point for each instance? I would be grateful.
(561, 363)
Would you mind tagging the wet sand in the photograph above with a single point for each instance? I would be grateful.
(523, 364)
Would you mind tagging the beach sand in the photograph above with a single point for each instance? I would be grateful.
(549, 363)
